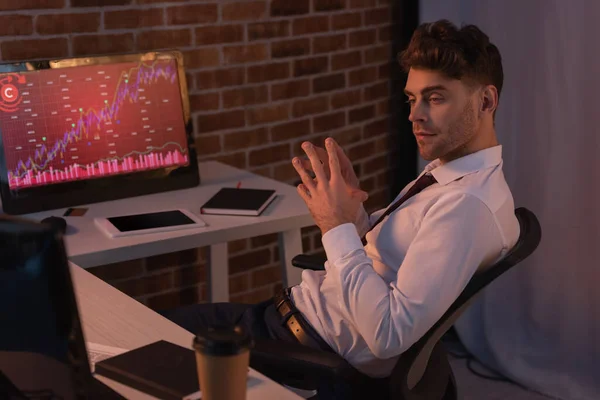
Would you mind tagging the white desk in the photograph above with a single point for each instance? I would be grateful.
(111, 318)
(88, 247)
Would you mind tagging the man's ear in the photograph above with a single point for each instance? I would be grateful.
(489, 99)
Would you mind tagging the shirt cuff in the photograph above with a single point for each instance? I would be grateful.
(341, 241)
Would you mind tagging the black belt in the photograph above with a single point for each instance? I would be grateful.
(296, 323)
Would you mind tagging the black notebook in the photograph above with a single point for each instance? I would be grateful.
(161, 369)
(239, 201)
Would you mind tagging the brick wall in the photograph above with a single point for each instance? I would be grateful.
(263, 77)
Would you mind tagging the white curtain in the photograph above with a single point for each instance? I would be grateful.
(540, 323)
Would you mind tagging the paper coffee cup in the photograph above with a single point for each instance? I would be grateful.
(222, 358)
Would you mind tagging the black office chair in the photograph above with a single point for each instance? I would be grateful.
(421, 373)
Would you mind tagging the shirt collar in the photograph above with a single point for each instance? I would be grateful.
(456, 169)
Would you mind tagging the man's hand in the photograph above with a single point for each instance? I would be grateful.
(345, 165)
(329, 198)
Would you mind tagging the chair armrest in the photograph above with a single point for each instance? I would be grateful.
(297, 365)
(306, 261)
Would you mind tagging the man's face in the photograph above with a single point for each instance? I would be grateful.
(443, 112)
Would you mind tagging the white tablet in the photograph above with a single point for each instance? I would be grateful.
(162, 221)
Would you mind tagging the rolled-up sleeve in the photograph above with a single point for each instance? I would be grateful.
(456, 235)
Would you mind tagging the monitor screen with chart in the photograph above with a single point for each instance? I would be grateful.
(77, 131)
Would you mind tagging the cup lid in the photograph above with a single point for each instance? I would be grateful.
(222, 340)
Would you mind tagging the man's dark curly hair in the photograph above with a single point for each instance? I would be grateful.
(464, 53)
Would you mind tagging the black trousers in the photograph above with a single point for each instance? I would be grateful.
(262, 320)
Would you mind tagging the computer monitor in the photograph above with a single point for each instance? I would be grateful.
(82, 130)
(42, 347)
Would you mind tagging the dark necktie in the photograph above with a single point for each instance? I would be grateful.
(421, 183)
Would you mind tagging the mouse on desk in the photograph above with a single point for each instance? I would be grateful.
(58, 223)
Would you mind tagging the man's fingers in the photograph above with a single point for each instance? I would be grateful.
(307, 180)
(315, 161)
(334, 162)
(303, 192)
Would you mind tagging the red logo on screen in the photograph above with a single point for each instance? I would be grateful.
(10, 96)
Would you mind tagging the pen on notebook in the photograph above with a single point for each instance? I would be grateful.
(239, 184)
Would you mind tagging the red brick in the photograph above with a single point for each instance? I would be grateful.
(157, 1)
(315, 105)
(219, 34)
(378, 16)
(238, 283)
(303, 26)
(384, 71)
(329, 122)
(133, 18)
(382, 145)
(375, 164)
(269, 155)
(246, 139)
(267, 114)
(163, 39)
(219, 121)
(34, 48)
(245, 53)
(367, 184)
(348, 136)
(237, 160)
(237, 246)
(264, 240)
(290, 48)
(15, 25)
(102, 44)
(178, 298)
(205, 57)
(362, 76)
(362, 150)
(208, 144)
(268, 30)
(286, 7)
(379, 53)
(290, 130)
(11, 5)
(383, 108)
(291, 89)
(327, 44)
(204, 102)
(221, 78)
(346, 21)
(269, 72)
(376, 128)
(346, 60)
(328, 83)
(328, 5)
(384, 34)
(285, 173)
(361, 113)
(99, 3)
(310, 66)
(362, 3)
(376, 91)
(245, 96)
(243, 11)
(53, 24)
(345, 99)
(192, 14)
(120, 270)
(186, 276)
(250, 260)
(363, 37)
(174, 259)
(265, 276)
(146, 284)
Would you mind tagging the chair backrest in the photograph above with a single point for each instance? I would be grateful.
(413, 363)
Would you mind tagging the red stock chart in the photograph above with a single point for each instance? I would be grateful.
(85, 122)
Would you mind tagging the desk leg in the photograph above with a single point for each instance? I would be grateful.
(218, 273)
(290, 245)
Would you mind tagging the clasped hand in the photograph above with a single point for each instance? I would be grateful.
(331, 200)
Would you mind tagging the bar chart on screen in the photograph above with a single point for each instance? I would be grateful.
(90, 122)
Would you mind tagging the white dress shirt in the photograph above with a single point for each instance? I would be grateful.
(372, 303)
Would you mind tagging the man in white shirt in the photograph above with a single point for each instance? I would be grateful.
(374, 300)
